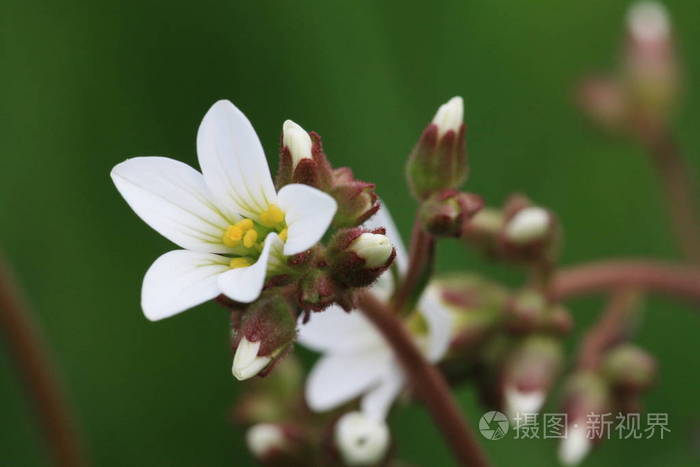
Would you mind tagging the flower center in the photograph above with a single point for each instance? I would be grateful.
(247, 236)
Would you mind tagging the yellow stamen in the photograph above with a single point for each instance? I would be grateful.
(245, 225)
(240, 263)
(250, 237)
(272, 216)
(232, 236)
(283, 235)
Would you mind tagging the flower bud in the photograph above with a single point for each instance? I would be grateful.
(528, 225)
(302, 159)
(360, 439)
(439, 159)
(358, 257)
(629, 367)
(266, 440)
(529, 373)
(267, 330)
(297, 141)
(356, 199)
(445, 213)
(574, 448)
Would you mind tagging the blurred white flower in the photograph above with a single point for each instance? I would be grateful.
(521, 402)
(232, 225)
(575, 446)
(648, 21)
(527, 225)
(265, 438)
(356, 359)
(360, 439)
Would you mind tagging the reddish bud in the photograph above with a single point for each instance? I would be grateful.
(357, 257)
(447, 212)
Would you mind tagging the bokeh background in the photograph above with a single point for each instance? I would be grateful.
(85, 84)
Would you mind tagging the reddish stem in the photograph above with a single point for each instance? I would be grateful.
(427, 382)
(672, 280)
(31, 357)
(419, 262)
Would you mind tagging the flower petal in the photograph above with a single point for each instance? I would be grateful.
(308, 213)
(377, 402)
(233, 161)
(336, 379)
(334, 330)
(439, 321)
(382, 218)
(179, 280)
(245, 284)
(171, 197)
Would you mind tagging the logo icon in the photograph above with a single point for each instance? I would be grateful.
(493, 425)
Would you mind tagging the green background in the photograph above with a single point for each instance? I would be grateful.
(85, 84)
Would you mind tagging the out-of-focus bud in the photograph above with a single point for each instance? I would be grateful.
(585, 394)
(361, 440)
(358, 256)
(529, 372)
(528, 225)
(629, 367)
(267, 330)
(604, 101)
(650, 68)
(527, 311)
(302, 159)
(445, 213)
(266, 440)
(356, 199)
(439, 159)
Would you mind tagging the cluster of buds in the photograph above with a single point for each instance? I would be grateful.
(303, 160)
(641, 96)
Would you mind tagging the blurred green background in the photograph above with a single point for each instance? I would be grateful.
(85, 84)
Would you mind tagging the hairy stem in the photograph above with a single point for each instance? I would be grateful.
(654, 276)
(427, 382)
(679, 191)
(31, 357)
(612, 327)
(420, 263)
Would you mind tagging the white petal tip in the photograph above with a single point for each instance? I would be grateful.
(360, 439)
(375, 249)
(528, 225)
(574, 447)
(521, 402)
(449, 116)
(264, 438)
(648, 21)
(246, 362)
(297, 140)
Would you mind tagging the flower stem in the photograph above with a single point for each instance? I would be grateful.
(612, 327)
(679, 191)
(420, 265)
(31, 356)
(673, 280)
(427, 382)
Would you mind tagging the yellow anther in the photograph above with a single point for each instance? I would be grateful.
(249, 239)
(272, 216)
(283, 235)
(232, 236)
(245, 225)
(240, 263)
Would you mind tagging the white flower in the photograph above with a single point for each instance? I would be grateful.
(232, 225)
(361, 440)
(648, 21)
(264, 438)
(527, 225)
(246, 362)
(375, 249)
(356, 359)
(521, 402)
(575, 446)
(449, 116)
(297, 140)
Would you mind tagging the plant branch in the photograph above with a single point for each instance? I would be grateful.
(427, 382)
(680, 192)
(612, 327)
(31, 357)
(654, 276)
(420, 263)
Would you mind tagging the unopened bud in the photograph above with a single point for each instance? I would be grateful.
(445, 213)
(297, 140)
(266, 440)
(574, 446)
(528, 225)
(439, 159)
(267, 330)
(358, 256)
(449, 116)
(356, 199)
(648, 21)
(629, 367)
(360, 439)
(519, 401)
(605, 102)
